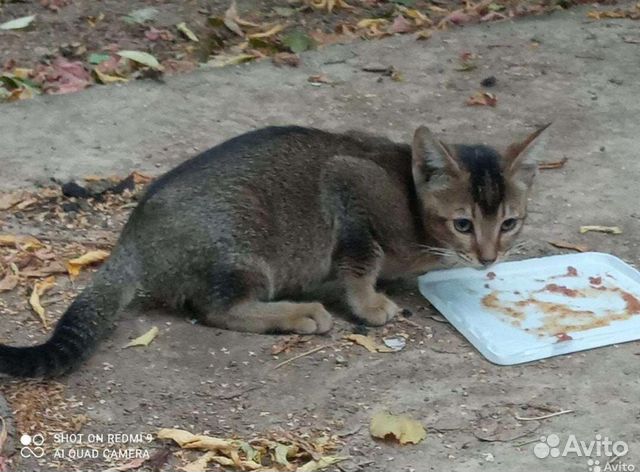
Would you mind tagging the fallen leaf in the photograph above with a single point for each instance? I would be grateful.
(281, 452)
(8, 283)
(224, 60)
(74, 266)
(107, 78)
(286, 58)
(266, 34)
(187, 440)
(39, 289)
(226, 461)
(403, 429)
(368, 343)
(19, 241)
(286, 344)
(184, 29)
(401, 25)
(141, 15)
(482, 99)
(200, 464)
(566, 245)
(298, 41)
(319, 79)
(54, 5)
(145, 339)
(141, 57)
(321, 464)
(96, 58)
(554, 164)
(18, 23)
(601, 229)
(65, 76)
(9, 200)
(231, 19)
(154, 34)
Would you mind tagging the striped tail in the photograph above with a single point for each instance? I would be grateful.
(86, 322)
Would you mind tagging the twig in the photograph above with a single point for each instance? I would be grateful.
(295, 358)
(543, 417)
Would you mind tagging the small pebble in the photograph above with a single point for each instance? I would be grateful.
(489, 81)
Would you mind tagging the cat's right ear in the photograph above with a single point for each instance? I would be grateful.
(431, 155)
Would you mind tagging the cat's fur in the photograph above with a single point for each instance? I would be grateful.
(230, 233)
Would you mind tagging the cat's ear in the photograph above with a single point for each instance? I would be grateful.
(431, 155)
(520, 159)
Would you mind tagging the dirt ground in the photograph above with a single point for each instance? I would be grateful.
(579, 72)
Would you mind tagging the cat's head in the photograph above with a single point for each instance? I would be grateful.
(474, 198)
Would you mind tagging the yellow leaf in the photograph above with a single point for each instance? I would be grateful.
(369, 22)
(106, 78)
(39, 289)
(187, 440)
(74, 266)
(9, 200)
(401, 428)
(276, 29)
(601, 229)
(321, 463)
(184, 29)
(200, 464)
(145, 339)
(368, 343)
(13, 240)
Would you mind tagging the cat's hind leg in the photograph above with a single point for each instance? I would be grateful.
(239, 300)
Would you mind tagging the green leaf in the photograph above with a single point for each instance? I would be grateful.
(298, 41)
(141, 57)
(97, 58)
(141, 16)
(18, 23)
(496, 7)
(406, 3)
(184, 29)
(281, 452)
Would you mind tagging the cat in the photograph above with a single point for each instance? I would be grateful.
(229, 233)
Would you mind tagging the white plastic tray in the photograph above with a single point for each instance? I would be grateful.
(523, 311)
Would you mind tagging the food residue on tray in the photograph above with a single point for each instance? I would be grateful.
(562, 337)
(559, 319)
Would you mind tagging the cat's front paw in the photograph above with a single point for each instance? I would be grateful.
(376, 310)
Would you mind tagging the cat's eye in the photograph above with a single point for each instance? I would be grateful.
(508, 224)
(463, 225)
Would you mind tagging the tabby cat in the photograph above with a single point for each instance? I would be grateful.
(233, 232)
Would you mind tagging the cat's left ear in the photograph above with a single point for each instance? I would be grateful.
(521, 157)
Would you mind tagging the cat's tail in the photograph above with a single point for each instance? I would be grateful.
(85, 323)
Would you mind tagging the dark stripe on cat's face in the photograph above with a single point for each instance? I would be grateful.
(487, 181)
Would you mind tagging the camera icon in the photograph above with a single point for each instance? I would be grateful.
(27, 441)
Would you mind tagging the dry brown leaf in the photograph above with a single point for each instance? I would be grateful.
(145, 339)
(9, 282)
(8, 200)
(74, 266)
(20, 242)
(39, 289)
(140, 178)
(231, 19)
(132, 465)
(403, 429)
(286, 58)
(368, 343)
(554, 164)
(482, 99)
(187, 440)
(200, 464)
(319, 79)
(567, 245)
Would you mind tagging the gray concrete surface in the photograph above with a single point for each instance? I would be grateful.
(579, 74)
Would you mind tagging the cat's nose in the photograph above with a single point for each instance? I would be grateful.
(486, 262)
